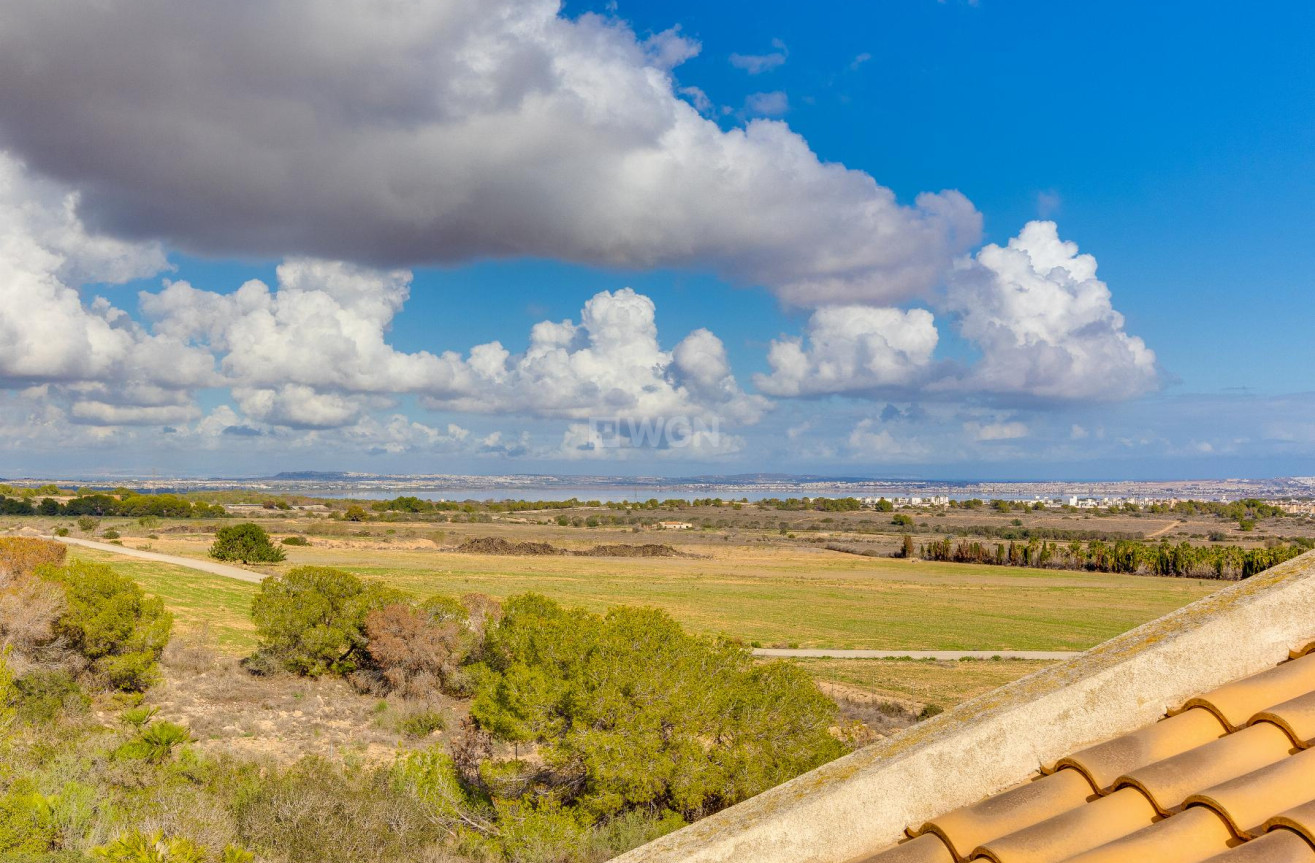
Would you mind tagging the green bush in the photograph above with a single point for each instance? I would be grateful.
(111, 622)
(422, 723)
(248, 543)
(156, 742)
(295, 540)
(43, 694)
(27, 822)
(310, 620)
(138, 847)
(630, 712)
(110, 534)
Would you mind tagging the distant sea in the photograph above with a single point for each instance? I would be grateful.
(607, 494)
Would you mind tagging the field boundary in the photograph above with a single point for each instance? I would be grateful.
(824, 653)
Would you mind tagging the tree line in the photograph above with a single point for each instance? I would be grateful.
(105, 505)
(1123, 556)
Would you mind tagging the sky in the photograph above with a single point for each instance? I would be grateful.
(951, 240)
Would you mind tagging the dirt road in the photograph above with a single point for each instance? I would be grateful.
(191, 563)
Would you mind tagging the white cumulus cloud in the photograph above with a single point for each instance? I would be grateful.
(609, 364)
(1045, 324)
(852, 349)
(48, 332)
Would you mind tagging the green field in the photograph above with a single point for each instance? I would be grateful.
(198, 600)
(776, 597)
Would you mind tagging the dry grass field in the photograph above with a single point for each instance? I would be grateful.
(748, 581)
(218, 607)
(772, 594)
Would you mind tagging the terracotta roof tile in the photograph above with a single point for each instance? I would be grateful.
(1277, 846)
(1228, 778)
(1170, 782)
(964, 829)
(1238, 701)
(1299, 818)
(924, 849)
(1296, 717)
(1189, 837)
(1070, 833)
(1251, 800)
(1106, 762)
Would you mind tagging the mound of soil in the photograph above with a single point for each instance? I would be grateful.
(494, 545)
(648, 550)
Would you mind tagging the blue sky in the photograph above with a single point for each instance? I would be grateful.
(1162, 157)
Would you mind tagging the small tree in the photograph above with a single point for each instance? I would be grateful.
(108, 620)
(906, 549)
(311, 620)
(245, 542)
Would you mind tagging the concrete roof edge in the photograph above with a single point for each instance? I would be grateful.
(861, 803)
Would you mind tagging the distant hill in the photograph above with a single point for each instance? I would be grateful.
(312, 475)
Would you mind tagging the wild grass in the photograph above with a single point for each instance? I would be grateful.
(943, 684)
(796, 596)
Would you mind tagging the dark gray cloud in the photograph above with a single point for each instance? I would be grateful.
(400, 133)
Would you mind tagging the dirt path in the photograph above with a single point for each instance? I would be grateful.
(1162, 531)
(823, 653)
(191, 563)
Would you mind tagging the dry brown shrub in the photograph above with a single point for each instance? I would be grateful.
(411, 655)
(29, 608)
(195, 651)
(21, 555)
(483, 610)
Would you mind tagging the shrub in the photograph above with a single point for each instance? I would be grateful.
(311, 620)
(22, 555)
(29, 607)
(156, 742)
(316, 812)
(631, 712)
(111, 534)
(421, 723)
(44, 693)
(248, 543)
(295, 540)
(410, 653)
(138, 847)
(138, 716)
(112, 623)
(27, 822)
(87, 524)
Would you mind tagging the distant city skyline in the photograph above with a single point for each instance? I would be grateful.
(935, 240)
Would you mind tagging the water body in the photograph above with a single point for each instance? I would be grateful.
(614, 494)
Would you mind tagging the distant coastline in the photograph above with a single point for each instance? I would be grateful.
(751, 487)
